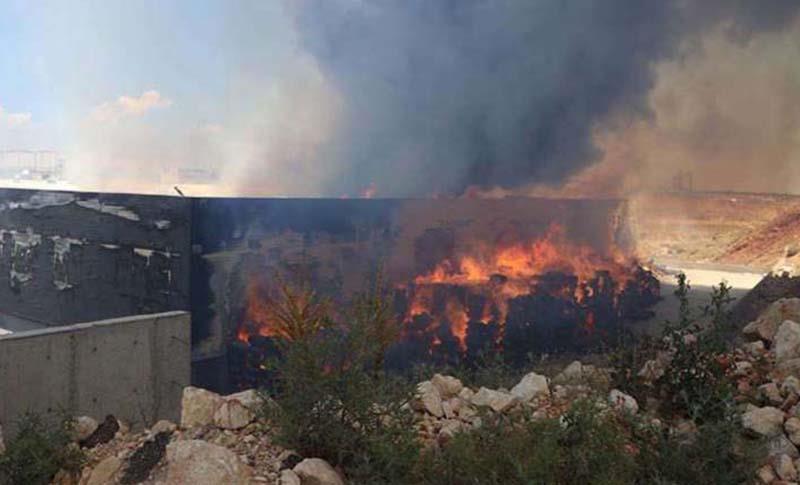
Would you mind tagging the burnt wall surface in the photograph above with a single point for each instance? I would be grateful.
(340, 241)
(69, 257)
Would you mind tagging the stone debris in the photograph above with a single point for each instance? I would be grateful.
(105, 472)
(530, 387)
(766, 325)
(103, 433)
(428, 399)
(198, 407)
(766, 421)
(221, 439)
(497, 401)
(314, 471)
(232, 414)
(619, 400)
(198, 462)
(83, 427)
(289, 477)
(785, 469)
(163, 426)
(447, 386)
(787, 341)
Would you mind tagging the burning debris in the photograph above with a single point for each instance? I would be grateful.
(516, 296)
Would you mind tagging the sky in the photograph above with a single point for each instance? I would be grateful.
(415, 97)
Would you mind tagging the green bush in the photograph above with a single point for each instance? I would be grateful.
(584, 447)
(695, 383)
(334, 400)
(717, 455)
(38, 451)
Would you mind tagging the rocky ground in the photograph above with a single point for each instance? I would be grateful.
(221, 439)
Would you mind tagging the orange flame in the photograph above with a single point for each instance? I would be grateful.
(507, 271)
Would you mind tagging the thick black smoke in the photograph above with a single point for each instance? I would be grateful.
(443, 94)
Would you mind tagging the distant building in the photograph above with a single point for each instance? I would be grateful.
(46, 165)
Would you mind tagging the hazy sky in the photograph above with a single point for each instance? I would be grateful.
(412, 97)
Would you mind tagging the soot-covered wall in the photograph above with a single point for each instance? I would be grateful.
(69, 257)
(339, 241)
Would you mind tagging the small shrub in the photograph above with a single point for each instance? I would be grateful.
(717, 455)
(695, 382)
(585, 447)
(334, 400)
(39, 451)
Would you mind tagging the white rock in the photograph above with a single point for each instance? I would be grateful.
(754, 348)
(619, 400)
(791, 385)
(571, 373)
(251, 399)
(467, 412)
(450, 428)
(197, 462)
(84, 426)
(198, 407)
(787, 341)
(531, 386)
(466, 394)
(447, 409)
(496, 400)
(766, 474)
(780, 445)
(742, 368)
(771, 393)
(163, 426)
(289, 477)
(792, 428)
(232, 414)
(785, 469)
(767, 324)
(105, 471)
(448, 386)
(455, 403)
(315, 471)
(428, 399)
(652, 370)
(766, 421)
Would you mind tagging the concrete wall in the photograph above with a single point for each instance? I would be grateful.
(132, 367)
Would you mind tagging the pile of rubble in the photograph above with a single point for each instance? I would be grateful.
(219, 440)
(767, 370)
(444, 406)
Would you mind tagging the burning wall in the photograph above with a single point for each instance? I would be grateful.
(466, 273)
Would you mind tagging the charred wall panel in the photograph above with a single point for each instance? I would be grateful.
(71, 257)
(339, 241)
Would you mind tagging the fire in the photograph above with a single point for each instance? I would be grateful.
(490, 294)
(508, 270)
(524, 261)
(259, 319)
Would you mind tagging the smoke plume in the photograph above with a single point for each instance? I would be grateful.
(444, 95)
(421, 97)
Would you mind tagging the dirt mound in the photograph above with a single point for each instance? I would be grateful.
(769, 290)
(766, 245)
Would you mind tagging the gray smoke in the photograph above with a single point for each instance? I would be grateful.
(440, 95)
